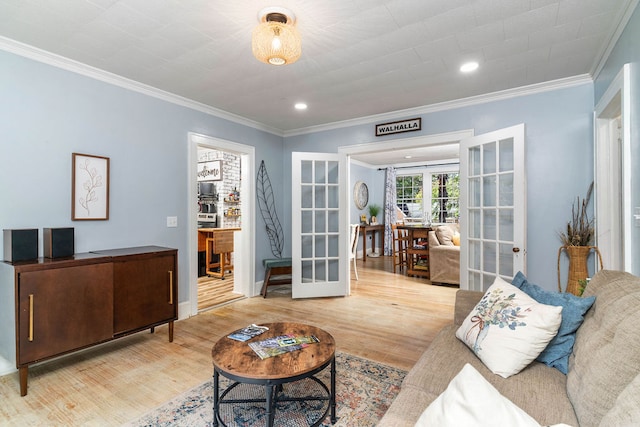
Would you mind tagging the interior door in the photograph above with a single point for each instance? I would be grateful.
(320, 246)
(492, 207)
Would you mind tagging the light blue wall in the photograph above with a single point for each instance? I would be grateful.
(374, 179)
(627, 50)
(47, 113)
(559, 157)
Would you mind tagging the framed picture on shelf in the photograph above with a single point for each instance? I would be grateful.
(89, 187)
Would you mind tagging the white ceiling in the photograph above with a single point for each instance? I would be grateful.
(359, 57)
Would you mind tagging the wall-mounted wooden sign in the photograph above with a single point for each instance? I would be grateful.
(399, 127)
(210, 171)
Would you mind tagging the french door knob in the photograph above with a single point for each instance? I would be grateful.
(516, 250)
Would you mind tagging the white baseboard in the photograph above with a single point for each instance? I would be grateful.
(6, 367)
(184, 310)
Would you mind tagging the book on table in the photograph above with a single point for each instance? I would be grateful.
(247, 332)
(281, 344)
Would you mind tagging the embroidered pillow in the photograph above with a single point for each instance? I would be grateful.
(508, 329)
(470, 400)
(573, 310)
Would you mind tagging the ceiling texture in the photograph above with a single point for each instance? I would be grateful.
(360, 58)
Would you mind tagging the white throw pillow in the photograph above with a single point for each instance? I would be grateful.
(508, 329)
(470, 400)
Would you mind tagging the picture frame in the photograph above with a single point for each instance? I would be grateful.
(89, 187)
(210, 170)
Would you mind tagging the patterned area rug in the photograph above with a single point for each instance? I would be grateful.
(364, 391)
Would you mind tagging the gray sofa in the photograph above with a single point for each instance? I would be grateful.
(602, 387)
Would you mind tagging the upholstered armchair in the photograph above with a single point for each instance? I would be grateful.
(444, 254)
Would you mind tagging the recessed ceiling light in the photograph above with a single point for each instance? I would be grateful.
(408, 157)
(468, 67)
(300, 106)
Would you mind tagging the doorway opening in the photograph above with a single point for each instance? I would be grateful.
(221, 222)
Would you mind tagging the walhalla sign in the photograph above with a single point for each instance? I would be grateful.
(399, 127)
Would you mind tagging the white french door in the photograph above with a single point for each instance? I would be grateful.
(320, 247)
(492, 207)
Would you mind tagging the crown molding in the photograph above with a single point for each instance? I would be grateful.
(615, 36)
(449, 105)
(58, 61)
(62, 62)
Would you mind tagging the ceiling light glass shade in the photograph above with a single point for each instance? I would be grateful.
(276, 43)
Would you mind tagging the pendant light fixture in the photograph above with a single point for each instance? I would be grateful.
(276, 40)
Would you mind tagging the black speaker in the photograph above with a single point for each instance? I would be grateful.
(58, 242)
(20, 245)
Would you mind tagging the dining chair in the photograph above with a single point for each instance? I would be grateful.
(355, 233)
(400, 244)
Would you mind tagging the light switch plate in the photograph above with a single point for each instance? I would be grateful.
(172, 221)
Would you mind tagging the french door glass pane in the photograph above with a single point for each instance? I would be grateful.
(307, 271)
(474, 254)
(489, 227)
(334, 265)
(307, 196)
(306, 221)
(489, 190)
(320, 222)
(506, 189)
(474, 161)
(474, 193)
(506, 154)
(505, 231)
(489, 257)
(334, 248)
(306, 172)
(489, 158)
(475, 224)
(321, 270)
(307, 246)
(333, 221)
(320, 173)
(320, 197)
(506, 260)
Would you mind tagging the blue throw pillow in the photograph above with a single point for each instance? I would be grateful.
(573, 310)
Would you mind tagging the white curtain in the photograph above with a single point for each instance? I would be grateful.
(390, 217)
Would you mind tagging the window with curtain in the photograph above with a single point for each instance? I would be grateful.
(409, 195)
(417, 201)
(445, 195)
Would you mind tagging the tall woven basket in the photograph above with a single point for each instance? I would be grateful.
(578, 267)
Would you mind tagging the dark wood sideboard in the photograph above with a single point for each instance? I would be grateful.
(64, 305)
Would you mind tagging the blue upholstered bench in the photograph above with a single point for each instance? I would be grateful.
(280, 267)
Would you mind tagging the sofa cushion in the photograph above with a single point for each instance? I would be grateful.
(605, 358)
(445, 233)
(456, 239)
(538, 389)
(471, 400)
(508, 329)
(573, 309)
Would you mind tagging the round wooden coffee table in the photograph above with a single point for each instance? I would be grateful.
(236, 361)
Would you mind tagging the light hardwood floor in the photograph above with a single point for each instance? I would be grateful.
(388, 318)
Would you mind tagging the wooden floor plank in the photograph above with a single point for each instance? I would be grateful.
(388, 318)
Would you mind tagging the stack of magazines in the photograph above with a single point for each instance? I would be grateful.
(280, 345)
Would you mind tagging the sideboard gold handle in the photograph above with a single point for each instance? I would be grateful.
(30, 317)
(170, 287)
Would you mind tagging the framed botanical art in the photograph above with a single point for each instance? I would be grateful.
(89, 187)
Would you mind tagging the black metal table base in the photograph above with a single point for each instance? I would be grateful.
(303, 396)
